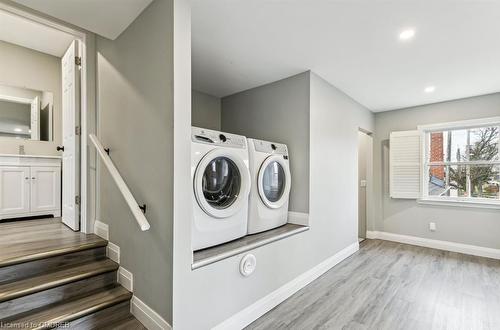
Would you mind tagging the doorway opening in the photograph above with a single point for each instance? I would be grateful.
(42, 119)
(365, 173)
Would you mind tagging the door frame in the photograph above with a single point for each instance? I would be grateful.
(83, 37)
(369, 179)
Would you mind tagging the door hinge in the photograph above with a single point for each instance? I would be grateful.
(77, 200)
(78, 60)
(78, 130)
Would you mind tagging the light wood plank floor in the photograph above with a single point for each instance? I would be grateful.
(26, 240)
(388, 285)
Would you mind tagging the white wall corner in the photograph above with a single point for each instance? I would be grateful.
(113, 252)
(262, 306)
(101, 229)
(126, 279)
(298, 218)
(147, 316)
(436, 244)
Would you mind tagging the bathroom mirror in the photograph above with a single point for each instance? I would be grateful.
(26, 113)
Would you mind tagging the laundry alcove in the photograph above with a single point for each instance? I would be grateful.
(277, 112)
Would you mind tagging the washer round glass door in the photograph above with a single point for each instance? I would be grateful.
(221, 183)
(274, 181)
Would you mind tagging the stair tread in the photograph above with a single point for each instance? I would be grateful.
(67, 311)
(55, 278)
(24, 241)
(130, 323)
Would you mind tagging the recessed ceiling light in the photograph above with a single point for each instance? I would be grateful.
(430, 89)
(17, 129)
(407, 34)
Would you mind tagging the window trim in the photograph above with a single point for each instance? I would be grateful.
(452, 201)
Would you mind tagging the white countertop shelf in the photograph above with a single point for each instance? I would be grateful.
(29, 156)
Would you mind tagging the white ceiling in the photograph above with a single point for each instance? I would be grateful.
(33, 35)
(354, 45)
(108, 18)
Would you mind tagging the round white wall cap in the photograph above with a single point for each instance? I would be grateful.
(248, 264)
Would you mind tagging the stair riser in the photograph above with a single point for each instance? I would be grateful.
(55, 295)
(100, 319)
(32, 268)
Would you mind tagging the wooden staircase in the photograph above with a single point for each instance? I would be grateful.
(52, 277)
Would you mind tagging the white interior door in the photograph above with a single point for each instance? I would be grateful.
(45, 188)
(35, 119)
(14, 190)
(71, 141)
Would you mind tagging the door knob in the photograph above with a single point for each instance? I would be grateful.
(59, 148)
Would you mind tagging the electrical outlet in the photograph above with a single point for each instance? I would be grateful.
(432, 226)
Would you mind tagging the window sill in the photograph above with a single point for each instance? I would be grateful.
(460, 203)
(213, 254)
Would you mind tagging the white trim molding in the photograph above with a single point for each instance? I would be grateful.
(113, 252)
(262, 306)
(436, 244)
(126, 279)
(101, 229)
(462, 124)
(147, 316)
(467, 202)
(298, 218)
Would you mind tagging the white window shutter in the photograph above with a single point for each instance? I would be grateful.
(404, 159)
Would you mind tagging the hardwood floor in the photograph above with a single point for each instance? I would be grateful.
(53, 277)
(27, 240)
(389, 285)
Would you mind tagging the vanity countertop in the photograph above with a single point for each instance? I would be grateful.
(29, 156)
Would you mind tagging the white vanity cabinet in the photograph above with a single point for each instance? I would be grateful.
(29, 186)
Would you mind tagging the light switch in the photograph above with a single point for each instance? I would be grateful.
(362, 183)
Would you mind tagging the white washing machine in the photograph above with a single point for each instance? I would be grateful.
(221, 184)
(271, 182)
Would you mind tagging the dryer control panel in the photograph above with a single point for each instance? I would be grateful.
(270, 147)
(207, 136)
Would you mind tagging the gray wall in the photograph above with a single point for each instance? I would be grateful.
(135, 106)
(456, 224)
(205, 110)
(277, 112)
(27, 68)
(209, 295)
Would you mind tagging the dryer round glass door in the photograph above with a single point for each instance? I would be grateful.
(221, 183)
(274, 181)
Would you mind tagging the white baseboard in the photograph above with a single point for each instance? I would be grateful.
(298, 218)
(126, 279)
(436, 244)
(262, 306)
(147, 316)
(101, 229)
(113, 252)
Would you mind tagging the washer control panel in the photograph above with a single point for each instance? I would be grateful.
(207, 136)
(270, 147)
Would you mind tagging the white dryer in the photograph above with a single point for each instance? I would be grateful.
(221, 184)
(271, 182)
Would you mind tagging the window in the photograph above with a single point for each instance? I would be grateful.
(461, 162)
